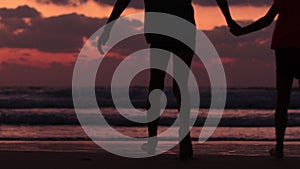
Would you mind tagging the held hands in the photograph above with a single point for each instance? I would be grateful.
(235, 29)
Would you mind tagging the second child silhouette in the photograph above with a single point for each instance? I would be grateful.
(286, 43)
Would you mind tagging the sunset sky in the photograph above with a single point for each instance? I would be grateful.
(41, 39)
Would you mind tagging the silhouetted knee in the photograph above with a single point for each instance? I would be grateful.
(281, 114)
(282, 107)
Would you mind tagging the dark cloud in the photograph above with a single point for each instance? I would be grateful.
(63, 2)
(235, 2)
(140, 3)
(134, 3)
(12, 24)
(62, 33)
(20, 12)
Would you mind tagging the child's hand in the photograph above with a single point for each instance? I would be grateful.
(103, 38)
(235, 28)
(233, 25)
(102, 41)
(237, 31)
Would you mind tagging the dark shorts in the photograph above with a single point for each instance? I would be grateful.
(288, 63)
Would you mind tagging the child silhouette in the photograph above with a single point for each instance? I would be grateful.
(184, 10)
(286, 43)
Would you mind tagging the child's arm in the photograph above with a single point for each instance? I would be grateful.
(118, 9)
(259, 24)
(223, 5)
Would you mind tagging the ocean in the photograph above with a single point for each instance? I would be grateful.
(46, 115)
